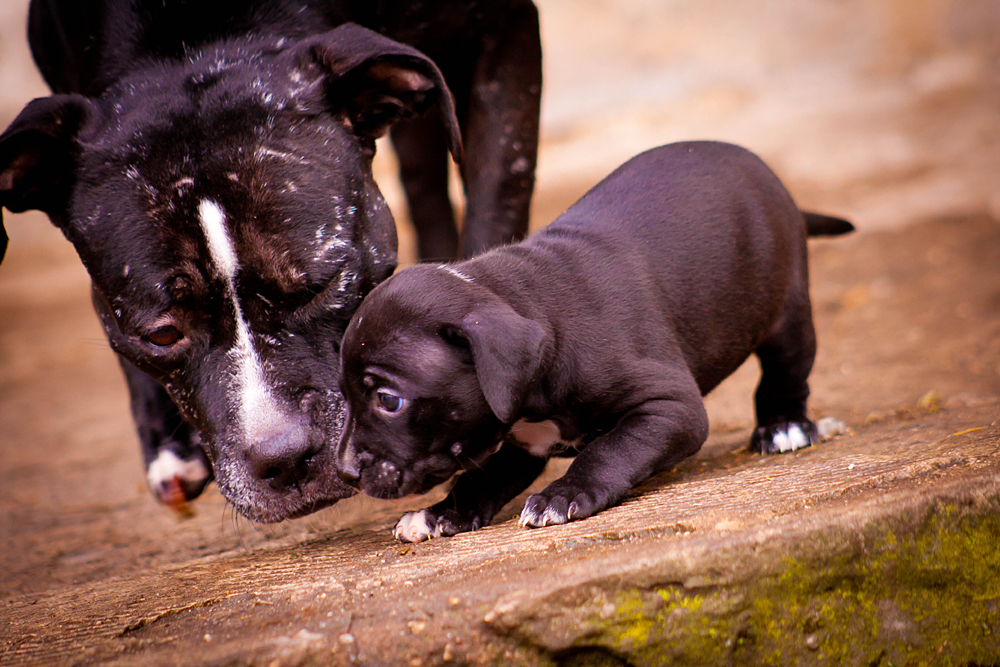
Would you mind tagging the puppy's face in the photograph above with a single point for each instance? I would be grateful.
(225, 210)
(433, 373)
(417, 414)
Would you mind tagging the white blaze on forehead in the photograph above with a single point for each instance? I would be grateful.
(256, 404)
(213, 222)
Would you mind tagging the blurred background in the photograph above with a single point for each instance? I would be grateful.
(883, 111)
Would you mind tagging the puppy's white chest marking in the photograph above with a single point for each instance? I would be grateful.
(256, 405)
(538, 438)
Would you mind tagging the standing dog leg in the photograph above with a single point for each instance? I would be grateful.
(502, 117)
(476, 497)
(421, 146)
(786, 358)
(176, 466)
(653, 437)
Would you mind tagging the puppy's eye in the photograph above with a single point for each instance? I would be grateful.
(388, 401)
(164, 336)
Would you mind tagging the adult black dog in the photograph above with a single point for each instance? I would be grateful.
(597, 338)
(211, 163)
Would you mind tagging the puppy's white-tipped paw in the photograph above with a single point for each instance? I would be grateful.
(784, 437)
(416, 527)
(790, 439)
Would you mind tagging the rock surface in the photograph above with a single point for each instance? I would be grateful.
(878, 546)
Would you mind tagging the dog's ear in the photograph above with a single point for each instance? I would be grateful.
(38, 155)
(507, 350)
(379, 81)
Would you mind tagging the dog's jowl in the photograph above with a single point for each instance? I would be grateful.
(595, 338)
(211, 163)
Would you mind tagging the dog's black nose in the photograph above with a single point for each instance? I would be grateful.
(282, 458)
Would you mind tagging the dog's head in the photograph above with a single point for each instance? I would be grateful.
(225, 210)
(434, 372)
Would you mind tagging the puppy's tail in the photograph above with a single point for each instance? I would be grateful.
(826, 225)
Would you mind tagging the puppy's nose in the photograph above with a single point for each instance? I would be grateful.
(350, 463)
(282, 458)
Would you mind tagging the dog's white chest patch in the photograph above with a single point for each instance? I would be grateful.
(255, 401)
(538, 438)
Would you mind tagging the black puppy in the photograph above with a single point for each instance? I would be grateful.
(596, 337)
(211, 162)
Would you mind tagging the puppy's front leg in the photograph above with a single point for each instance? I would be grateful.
(650, 439)
(476, 497)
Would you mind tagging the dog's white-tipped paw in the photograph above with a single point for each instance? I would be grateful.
(168, 473)
(417, 527)
(829, 427)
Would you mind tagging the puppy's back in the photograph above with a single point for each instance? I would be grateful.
(703, 234)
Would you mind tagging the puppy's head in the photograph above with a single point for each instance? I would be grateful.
(434, 371)
(224, 208)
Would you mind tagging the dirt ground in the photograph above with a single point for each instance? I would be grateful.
(886, 112)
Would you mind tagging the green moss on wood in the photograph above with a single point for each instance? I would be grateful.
(890, 595)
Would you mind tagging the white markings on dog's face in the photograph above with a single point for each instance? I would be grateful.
(455, 272)
(327, 244)
(167, 465)
(220, 247)
(416, 527)
(257, 406)
(791, 439)
(264, 152)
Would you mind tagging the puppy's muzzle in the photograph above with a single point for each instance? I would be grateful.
(381, 478)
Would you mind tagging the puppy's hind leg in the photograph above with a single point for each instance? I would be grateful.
(786, 358)
(476, 497)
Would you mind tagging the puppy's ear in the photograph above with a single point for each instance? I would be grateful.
(507, 351)
(38, 156)
(379, 81)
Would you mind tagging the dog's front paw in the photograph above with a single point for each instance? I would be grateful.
(784, 437)
(561, 503)
(425, 524)
(174, 480)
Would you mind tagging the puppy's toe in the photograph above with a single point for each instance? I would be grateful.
(583, 505)
(416, 527)
(451, 523)
(784, 437)
(540, 511)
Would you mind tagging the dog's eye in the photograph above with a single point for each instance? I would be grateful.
(164, 336)
(388, 401)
